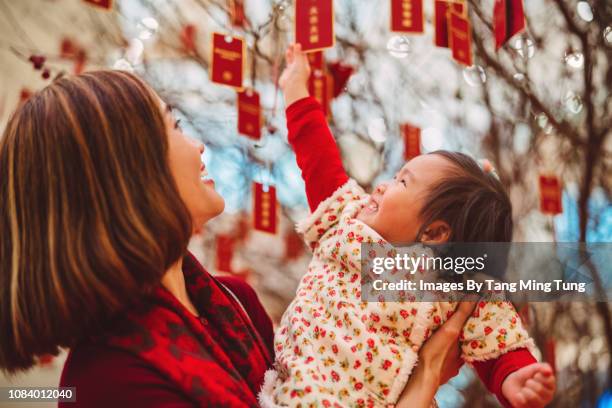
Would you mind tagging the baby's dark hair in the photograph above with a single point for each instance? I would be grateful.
(471, 201)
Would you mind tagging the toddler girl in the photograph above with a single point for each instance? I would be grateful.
(332, 349)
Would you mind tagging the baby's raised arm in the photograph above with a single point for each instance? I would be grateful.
(314, 145)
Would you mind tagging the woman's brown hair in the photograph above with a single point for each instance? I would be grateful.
(471, 201)
(91, 217)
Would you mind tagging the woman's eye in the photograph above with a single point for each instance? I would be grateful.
(403, 182)
(177, 124)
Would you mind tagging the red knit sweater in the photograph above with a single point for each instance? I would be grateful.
(319, 159)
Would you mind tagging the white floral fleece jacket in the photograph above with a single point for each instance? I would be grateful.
(332, 349)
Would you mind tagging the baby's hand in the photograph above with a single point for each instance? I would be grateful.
(532, 386)
(294, 79)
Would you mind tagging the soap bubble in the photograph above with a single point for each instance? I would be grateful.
(524, 47)
(607, 34)
(572, 102)
(474, 75)
(398, 46)
(584, 11)
(574, 59)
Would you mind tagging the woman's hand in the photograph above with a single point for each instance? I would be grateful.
(294, 79)
(439, 361)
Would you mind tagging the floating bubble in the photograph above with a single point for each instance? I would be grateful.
(474, 75)
(398, 46)
(520, 77)
(542, 120)
(584, 11)
(148, 28)
(607, 34)
(572, 102)
(525, 47)
(574, 59)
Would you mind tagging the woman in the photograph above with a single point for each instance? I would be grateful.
(102, 192)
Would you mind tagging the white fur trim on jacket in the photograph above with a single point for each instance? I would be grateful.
(266, 399)
(410, 361)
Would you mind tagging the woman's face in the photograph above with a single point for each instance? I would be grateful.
(394, 207)
(185, 155)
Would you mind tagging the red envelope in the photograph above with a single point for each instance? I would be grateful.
(460, 38)
(225, 252)
(249, 114)
(550, 195)
(314, 24)
(228, 58)
(508, 20)
(264, 208)
(320, 86)
(340, 73)
(441, 11)
(188, 38)
(103, 4)
(412, 140)
(237, 15)
(407, 16)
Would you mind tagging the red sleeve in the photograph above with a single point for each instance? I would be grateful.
(247, 296)
(106, 377)
(315, 148)
(493, 372)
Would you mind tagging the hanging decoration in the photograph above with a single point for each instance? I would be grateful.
(294, 245)
(250, 119)
(407, 16)
(550, 195)
(188, 38)
(225, 252)
(508, 20)
(264, 208)
(321, 87)
(70, 50)
(412, 140)
(102, 4)
(460, 38)
(340, 74)
(228, 59)
(441, 16)
(237, 15)
(314, 24)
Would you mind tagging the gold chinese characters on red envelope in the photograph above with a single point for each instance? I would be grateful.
(321, 87)
(460, 38)
(550, 195)
(228, 55)
(407, 16)
(442, 9)
(249, 114)
(412, 140)
(264, 208)
(314, 24)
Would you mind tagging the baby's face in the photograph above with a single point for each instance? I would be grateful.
(394, 207)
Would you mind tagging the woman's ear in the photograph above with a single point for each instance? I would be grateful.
(438, 232)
